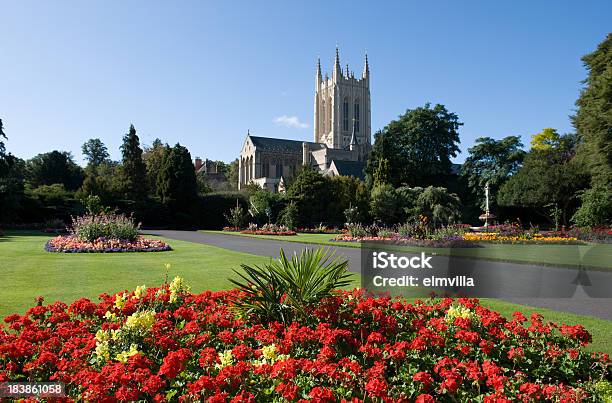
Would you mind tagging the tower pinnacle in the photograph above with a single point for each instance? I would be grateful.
(337, 69)
(366, 67)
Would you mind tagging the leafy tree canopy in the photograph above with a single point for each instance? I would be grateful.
(593, 119)
(176, 182)
(54, 167)
(418, 145)
(548, 180)
(492, 161)
(310, 191)
(133, 170)
(95, 152)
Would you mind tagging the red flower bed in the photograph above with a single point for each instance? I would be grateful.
(265, 232)
(162, 344)
(71, 244)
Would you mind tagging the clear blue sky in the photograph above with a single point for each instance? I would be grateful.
(202, 73)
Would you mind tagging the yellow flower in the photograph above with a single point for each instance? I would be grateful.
(225, 358)
(101, 335)
(120, 300)
(269, 355)
(269, 352)
(110, 315)
(176, 287)
(141, 320)
(140, 291)
(125, 355)
(102, 350)
(458, 312)
(115, 333)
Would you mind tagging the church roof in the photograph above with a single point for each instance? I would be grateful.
(282, 145)
(350, 168)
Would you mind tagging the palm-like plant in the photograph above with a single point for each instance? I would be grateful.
(286, 288)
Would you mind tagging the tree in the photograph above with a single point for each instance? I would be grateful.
(418, 145)
(310, 192)
(593, 119)
(2, 134)
(385, 204)
(94, 183)
(176, 182)
(596, 208)
(133, 170)
(54, 167)
(548, 181)
(347, 192)
(438, 205)
(153, 157)
(95, 152)
(264, 206)
(491, 161)
(232, 174)
(103, 181)
(382, 173)
(593, 122)
(11, 181)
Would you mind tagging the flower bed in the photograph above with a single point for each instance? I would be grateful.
(268, 229)
(167, 344)
(447, 242)
(527, 239)
(320, 230)
(71, 244)
(264, 232)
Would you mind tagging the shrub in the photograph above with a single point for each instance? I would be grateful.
(236, 217)
(385, 204)
(357, 230)
(114, 226)
(596, 208)
(286, 289)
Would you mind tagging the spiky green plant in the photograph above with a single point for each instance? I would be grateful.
(284, 289)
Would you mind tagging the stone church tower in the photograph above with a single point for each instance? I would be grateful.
(342, 132)
(342, 108)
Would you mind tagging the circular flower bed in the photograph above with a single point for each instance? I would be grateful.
(72, 244)
(167, 344)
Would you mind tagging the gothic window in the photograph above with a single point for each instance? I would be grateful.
(266, 169)
(279, 170)
(356, 115)
(345, 115)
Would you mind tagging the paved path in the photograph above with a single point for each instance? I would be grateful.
(512, 275)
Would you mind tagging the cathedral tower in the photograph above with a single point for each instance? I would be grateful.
(342, 107)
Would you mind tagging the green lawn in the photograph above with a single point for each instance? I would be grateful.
(27, 271)
(593, 255)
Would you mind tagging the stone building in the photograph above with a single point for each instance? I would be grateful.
(342, 134)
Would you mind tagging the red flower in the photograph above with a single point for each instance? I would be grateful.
(376, 387)
(424, 398)
(175, 363)
(423, 377)
(321, 394)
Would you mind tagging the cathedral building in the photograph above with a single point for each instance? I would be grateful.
(342, 134)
